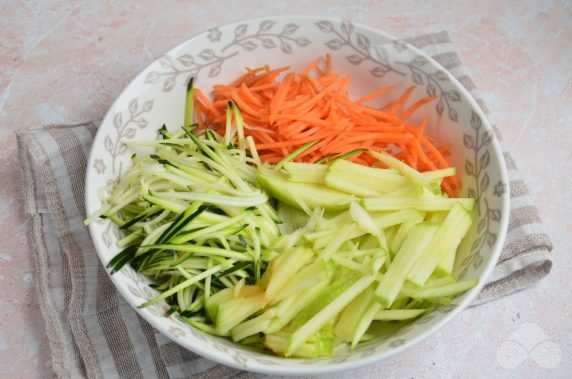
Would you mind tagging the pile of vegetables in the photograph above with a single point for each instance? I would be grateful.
(294, 257)
(284, 113)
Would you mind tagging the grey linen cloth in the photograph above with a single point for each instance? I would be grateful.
(92, 330)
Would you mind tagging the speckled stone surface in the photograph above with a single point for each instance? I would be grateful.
(66, 61)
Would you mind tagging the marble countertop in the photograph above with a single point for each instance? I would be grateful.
(66, 61)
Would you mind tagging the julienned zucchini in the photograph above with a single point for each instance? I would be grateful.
(299, 259)
(333, 186)
(301, 195)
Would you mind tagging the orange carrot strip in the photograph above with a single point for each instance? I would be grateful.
(328, 64)
(279, 97)
(373, 95)
(298, 101)
(359, 141)
(198, 113)
(434, 152)
(310, 130)
(245, 107)
(421, 154)
(295, 117)
(221, 103)
(370, 161)
(359, 160)
(206, 102)
(421, 130)
(444, 150)
(413, 107)
(250, 96)
(299, 141)
(271, 158)
(315, 149)
(263, 87)
(375, 112)
(402, 99)
(311, 66)
(241, 79)
(384, 137)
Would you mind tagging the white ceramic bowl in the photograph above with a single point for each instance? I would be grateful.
(372, 59)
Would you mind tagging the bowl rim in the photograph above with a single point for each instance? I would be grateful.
(252, 366)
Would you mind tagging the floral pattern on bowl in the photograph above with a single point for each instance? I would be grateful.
(372, 58)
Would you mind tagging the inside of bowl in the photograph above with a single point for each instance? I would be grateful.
(454, 121)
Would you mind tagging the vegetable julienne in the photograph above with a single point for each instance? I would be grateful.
(313, 106)
(300, 259)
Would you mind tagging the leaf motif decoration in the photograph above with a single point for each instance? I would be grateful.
(487, 138)
(362, 41)
(130, 133)
(454, 96)
(118, 121)
(354, 59)
(441, 76)
(476, 122)
(440, 107)
(268, 43)
(133, 106)
(148, 105)
(166, 61)
(325, 26)
(453, 115)
(108, 143)
(215, 70)
(469, 168)
(491, 239)
(478, 261)
(381, 54)
(248, 46)
(484, 160)
(142, 123)
(379, 71)
(485, 182)
(266, 25)
(476, 244)
(417, 78)
(186, 60)
(289, 29)
(169, 83)
(207, 54)
(335, 44)
(286, 48)
(106, 238)
(431, 89)
(420, 61)
(302, 41)
(468, 141)
(177, 332)
(481, 225)
(240, 30)
(397, 342)
(152, 77)
(347, 27)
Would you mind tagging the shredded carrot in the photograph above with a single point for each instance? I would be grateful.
(399, 102)
(284, 110)
(409, 111)
(374, 94)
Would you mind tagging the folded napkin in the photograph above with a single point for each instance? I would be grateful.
(92, 330)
